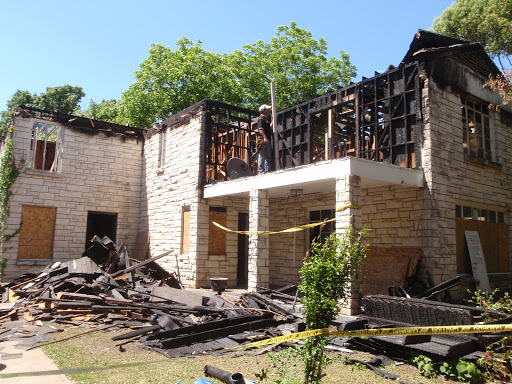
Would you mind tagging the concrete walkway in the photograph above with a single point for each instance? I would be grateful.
(17, 360)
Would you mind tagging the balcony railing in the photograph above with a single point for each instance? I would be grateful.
(377, 119)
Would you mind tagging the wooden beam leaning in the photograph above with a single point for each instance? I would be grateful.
(134, 267)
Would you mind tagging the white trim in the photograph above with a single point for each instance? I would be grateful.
(318, 178)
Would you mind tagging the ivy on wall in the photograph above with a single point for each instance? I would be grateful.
(8, 174)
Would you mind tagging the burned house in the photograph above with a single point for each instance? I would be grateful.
(414, 153)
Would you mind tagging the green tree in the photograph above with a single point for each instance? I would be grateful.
(64, 99)
(295, 62)
(488, 22)
(169, 81)
(106, 110)
(19, 98)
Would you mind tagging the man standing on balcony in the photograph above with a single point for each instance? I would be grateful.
(264, 127)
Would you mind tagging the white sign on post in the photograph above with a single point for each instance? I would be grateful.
(477, 261)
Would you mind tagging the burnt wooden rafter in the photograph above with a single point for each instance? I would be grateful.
(377, 119)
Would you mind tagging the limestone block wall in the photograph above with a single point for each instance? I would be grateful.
(99, 173)
(171, 189)
(394, 214)
(222, 265)
(390, 212)
(451, 179)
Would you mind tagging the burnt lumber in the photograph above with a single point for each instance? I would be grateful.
(105, 288)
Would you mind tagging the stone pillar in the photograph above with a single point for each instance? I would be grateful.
(259, 245)
(348, 190)
(348, 214)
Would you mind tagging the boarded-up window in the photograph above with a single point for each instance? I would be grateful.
(493, 233)
(494, 241)
(185, 231)
(37, 232)
(216, 235)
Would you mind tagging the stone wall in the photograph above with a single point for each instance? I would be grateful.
(452, 179)
(168, 191)
(99, 173)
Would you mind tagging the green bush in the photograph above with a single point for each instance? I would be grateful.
(328, 277)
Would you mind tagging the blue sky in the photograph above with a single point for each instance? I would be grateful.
(99, 44)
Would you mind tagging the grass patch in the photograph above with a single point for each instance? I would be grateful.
(98, 350)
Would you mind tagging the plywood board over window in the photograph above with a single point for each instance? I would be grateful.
(494, 241)
(185, 231)
(37, 232)
(216, 235)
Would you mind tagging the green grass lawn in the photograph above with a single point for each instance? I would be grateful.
(99, 351)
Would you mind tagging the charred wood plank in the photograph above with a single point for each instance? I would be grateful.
(212, 325)
(139, 265)
(440, 288)
(137, 332)
(263, 300)
(216, 333)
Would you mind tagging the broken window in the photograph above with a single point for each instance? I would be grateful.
(320, 232)
(45, 146)
(162, 143)
(37, 232)
(493, 234)
(185, 230)
(217, 236)
(477, 130)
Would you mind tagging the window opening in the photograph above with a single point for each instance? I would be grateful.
(476, 125)
(477, 214)
(161, 148)
(45, 146)
(185, 231)
(321, 232)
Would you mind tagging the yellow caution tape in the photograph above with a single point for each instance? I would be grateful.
(401, 331)
(293, 229)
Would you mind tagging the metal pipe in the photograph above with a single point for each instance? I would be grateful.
(218, 373)
(237, 378)
(226, 377)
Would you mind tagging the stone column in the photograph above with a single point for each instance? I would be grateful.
(348, 214)
(259, 252)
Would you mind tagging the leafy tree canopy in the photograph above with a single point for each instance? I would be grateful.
(169, 81)
(106, 110)
(64, 99)
(488, 22)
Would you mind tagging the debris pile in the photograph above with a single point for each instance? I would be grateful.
(382, 311)
(105, 288)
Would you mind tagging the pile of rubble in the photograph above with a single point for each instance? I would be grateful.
(105, 288)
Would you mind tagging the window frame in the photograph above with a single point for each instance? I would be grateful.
(332, 225)
(480, 144)
(162, 144)
(37, 162)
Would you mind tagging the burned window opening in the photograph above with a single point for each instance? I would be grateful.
(45, 146)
